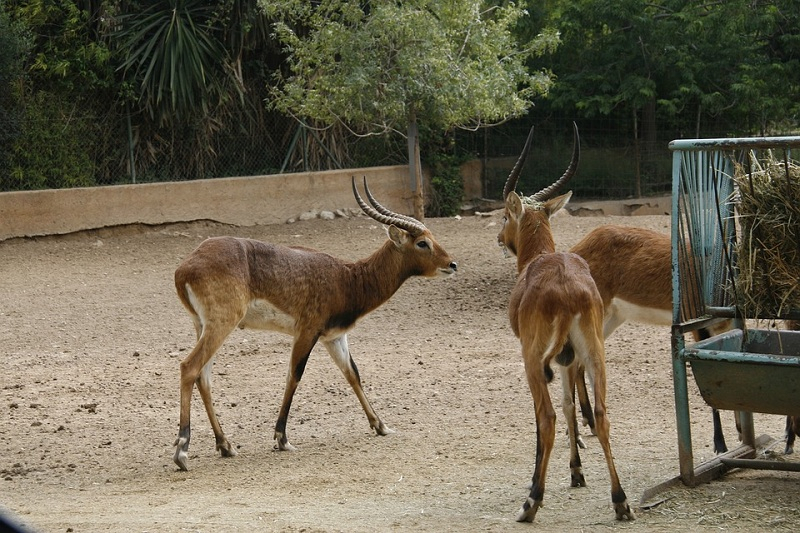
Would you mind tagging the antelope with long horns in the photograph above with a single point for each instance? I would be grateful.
(229, 282)
(557, 313)
(632, 268)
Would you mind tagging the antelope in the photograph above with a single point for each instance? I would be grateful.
(632, 268)
(556, 312)
(230, 282)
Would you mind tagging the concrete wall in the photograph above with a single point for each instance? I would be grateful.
(241, 201)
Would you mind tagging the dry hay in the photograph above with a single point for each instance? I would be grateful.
(768, 281)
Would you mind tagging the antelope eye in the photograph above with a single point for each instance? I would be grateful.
(422, 244)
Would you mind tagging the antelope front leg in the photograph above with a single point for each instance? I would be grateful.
(340, 353)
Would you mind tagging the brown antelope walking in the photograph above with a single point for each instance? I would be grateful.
(228, 282)
(557, 313)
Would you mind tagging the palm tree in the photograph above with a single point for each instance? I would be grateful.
(184, 60)
(174, 57)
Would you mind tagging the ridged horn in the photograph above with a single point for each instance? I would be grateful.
(548, 192)
(511, 182)
(413, 226)
(384, 211)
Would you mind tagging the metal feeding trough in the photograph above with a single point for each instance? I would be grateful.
(744, 369)
(755, 370)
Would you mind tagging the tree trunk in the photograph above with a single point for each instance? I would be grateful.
(415, 167)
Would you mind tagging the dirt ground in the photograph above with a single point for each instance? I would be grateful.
(92, 333)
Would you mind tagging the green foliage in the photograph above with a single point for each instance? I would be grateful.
(691, 60)
(193, 75)
(50, 152)
(174, 56)
(388, 66)
(66, 71)
(14, 43)
(447, 185)
(68, 53)
(448, 193)
(448, 63)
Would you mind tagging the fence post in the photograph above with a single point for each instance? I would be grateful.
(131, 160)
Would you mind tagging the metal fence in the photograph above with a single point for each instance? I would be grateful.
(61, 150)
(57, 149)
(613, 165)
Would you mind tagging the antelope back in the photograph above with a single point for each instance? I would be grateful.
(633, 264)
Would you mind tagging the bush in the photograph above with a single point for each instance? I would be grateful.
(50, 152)
(13, 45)
(447, 185)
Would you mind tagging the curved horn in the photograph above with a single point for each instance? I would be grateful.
(548, 192)
(382, 210)
(511, 182)
(414, 228)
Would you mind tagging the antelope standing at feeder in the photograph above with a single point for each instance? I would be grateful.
(557, 313)
(632, 268)
(229, 282)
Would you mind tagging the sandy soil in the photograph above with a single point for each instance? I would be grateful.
(92, 334)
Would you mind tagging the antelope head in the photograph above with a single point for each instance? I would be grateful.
(419, 251)
(522, 217)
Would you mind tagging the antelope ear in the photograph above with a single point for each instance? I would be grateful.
(514, 205)
(398, 236)
(551, 207)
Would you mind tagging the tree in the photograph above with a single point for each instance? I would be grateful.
(698, 66)
(14, 44)
(383, 66)
(67, 78)
(686, 59)
(185, 62)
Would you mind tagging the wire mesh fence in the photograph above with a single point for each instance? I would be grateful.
(613, 164)
(55, 147)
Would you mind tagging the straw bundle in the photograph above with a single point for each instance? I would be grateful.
(768, 280)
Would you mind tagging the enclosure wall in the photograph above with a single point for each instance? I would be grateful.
(242, 201)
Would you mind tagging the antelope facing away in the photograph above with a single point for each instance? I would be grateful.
(557, 313)
(229, 282)
(632, 268)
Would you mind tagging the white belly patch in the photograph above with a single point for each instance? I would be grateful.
(637, 313)
(261, 314)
